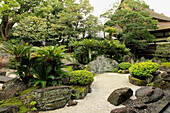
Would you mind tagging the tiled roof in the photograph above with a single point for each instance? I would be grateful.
(159, 16)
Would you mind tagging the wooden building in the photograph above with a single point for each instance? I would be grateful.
(161, 34)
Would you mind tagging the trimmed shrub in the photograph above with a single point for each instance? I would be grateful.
(124, 65)
(81, 77)
(143, 69)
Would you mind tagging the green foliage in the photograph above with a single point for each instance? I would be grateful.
(134, 21)
(11, 11)
(115, 70)
(49, 70)
(143, 69)
(150, 84)
(88, 49)
(81, 77)
(124, 65)
(168, 39)
(167, 64)
(162, 50)
(111, 31)
(31, 29)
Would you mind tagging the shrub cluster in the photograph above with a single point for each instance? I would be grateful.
(87, 49)
(81, 77)
(143, 69)
(122, 66)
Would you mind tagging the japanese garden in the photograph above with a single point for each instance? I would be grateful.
(57, 57)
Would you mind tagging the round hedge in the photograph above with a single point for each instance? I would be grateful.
(124, 65)
(81, 77)
(143, 69)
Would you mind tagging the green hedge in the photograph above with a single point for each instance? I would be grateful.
(81, 77)
(143, 69)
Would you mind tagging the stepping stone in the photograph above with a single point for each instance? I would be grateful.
(4, 79)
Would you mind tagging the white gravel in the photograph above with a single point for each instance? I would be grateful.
(102, 87)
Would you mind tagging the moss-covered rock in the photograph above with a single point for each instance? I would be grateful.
(79, 92)
(137, 81)
(16, 101)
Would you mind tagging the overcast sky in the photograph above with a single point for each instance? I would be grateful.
(160, 6)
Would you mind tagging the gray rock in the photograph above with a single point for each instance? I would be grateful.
(122, 110)
(140, 106)
(11, 89)
(9, 109)
(126, 71)
(49, 98)
(128, 58)
(157, 72)
(144, 91)
(157, 94)
(118, 96)
(168, 71)
(72, 103)
(142, 59)
(156, 60)
(102, 64)
(148, 94)
(164, 74)
(163, 68)
(149, 79)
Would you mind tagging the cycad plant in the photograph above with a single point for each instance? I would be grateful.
(20, 60)
(49, 71)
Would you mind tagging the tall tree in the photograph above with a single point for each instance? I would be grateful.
(11, 11)
(134, 21)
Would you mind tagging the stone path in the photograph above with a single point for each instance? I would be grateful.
(96, 102)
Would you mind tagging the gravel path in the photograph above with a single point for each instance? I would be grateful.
(96, 102)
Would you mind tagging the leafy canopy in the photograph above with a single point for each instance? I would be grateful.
(133, 21)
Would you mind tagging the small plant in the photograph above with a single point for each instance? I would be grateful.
(32, 106)
(143, 69)
(115, 70)
(150, 84)
(1, 102)
(124, 65)
(81, 77)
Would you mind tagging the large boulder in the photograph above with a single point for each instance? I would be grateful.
(144, 91)
(49, 98)
(118, 96)
(149, 94)
(102, 64)
(11, 89)
(122, 110)
(9, 109)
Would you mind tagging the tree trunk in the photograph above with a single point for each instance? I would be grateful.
(5, 28)
(124, 41)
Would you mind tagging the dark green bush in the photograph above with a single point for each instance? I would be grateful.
(81, 77)
(124, 65)
(143, 69)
